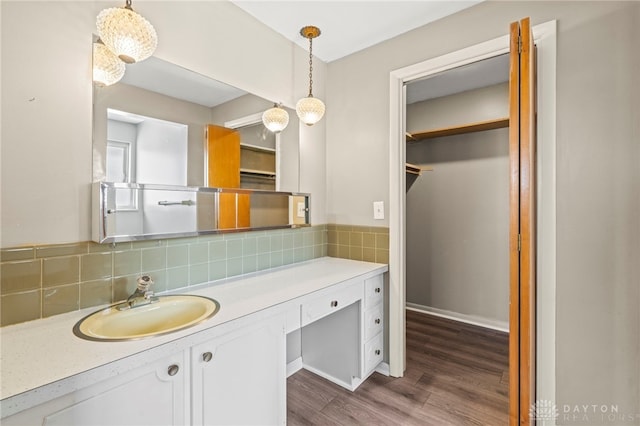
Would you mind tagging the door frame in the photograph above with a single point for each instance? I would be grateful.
(545, 39)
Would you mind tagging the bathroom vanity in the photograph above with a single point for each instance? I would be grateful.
(230, 369)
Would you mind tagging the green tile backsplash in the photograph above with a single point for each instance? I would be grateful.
(37, 282)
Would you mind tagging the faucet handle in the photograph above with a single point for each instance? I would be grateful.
(144, 282)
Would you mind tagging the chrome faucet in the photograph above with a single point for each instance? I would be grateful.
(142, 296)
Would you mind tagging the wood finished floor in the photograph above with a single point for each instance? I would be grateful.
(457, 374)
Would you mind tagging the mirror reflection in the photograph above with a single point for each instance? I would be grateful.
(129, 148)
(204, 143)
(145, 150)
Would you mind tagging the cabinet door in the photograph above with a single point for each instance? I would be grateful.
(223, 171)
(151, 394)
(240, 378)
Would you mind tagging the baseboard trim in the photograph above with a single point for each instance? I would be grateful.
(383, 368)
(349, 386)
(469, 319)
(294, 366)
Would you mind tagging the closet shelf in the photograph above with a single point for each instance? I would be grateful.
(416, 170)
(257, 148)
(258, 173)
(459, 130)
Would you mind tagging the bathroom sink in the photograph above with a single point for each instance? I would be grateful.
(166, 315)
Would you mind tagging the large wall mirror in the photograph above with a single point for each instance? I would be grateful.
(165, 125)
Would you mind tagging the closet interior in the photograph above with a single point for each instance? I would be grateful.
(457, 214)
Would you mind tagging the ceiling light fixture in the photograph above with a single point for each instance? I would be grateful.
(108, 69)
(126, 33)
(275, 119)
(310, 109)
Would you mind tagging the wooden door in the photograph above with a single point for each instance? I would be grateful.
(223, 171)
(522, 153)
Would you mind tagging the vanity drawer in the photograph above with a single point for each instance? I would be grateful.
(373, 353)
(373, 291)
(373, 321)
(329, 303)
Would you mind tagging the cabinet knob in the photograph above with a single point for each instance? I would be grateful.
(334, 303)
(377, 290)
(377, 321)
(207, 356)
(173, 370)
(377, 351)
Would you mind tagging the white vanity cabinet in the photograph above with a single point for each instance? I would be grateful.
(373, 324)
(240, 378)
(150, 394)
(342, 331)
(237, 377)
(230, 370)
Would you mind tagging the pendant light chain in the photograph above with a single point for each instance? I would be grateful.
(309, 109)
(310, 66)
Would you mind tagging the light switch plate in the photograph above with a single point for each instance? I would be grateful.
(378, 209)
(301, 210)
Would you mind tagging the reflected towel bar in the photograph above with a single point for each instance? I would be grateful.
(177, 203)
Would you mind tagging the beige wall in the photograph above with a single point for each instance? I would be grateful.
(483, 104)
(46, 99)
(597, 347)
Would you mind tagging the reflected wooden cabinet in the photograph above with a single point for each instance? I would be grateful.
(239, 158)
(223, 171)
(223, 157)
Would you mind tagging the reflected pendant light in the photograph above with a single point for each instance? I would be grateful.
(310, 109)
(275, 119)
(108, 69)
(131, 37)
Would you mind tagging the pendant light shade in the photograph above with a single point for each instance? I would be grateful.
(126, 33)
(275, 119)
(310, 110)
(108, 69)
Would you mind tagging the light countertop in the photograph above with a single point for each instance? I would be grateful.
(42, 352)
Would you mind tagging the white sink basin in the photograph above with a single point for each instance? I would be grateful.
(166, 315)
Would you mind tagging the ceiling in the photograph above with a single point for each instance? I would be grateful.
(475, 75)
(348, 26)
(157, 75)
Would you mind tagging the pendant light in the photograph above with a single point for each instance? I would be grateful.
(108, 69)
(310, 109)
(275, 119)
(126, 33)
